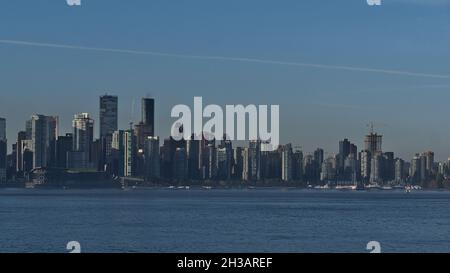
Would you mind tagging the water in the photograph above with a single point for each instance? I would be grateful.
(269, 220)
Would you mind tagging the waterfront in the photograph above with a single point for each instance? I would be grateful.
(248, 220)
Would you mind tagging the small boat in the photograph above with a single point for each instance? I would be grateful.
(325, 187)
(346, 188)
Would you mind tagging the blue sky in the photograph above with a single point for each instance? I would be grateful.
(319, 105)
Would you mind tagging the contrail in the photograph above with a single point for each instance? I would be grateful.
(232, 59)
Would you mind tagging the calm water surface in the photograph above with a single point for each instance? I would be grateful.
(263, 220)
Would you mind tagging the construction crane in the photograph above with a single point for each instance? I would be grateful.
(371, 126)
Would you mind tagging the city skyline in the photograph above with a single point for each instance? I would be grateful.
(44, 156)
(96, 117)
(329, 82)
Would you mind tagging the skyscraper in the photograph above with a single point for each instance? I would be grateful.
(148, 113)
(297, 165)
(118, 153)
(64, 146)
(252, 161)
(180, 169)
(21, 136)
(152, 159)
(373, 143)
(143, 130)
(388, 166)
(3, 150)
(365, 158)
(429, 162)
(108, 125)
(318, 156)
(414, 171)
(108, 115)
(376, 168)
(43, 131)
(224, 159)
(399, 170)
(2, 129)
(83, 137)
(344, 149)
(286, 163)
(194, 160)
(130, 153)
(238, 162)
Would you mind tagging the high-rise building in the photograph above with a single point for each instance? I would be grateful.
(146, 127)
(210, 161)
(130, 153)
(152, 159)
(238, 162)
(2, 129)
(108, 125)
(180, 169)
(148, 113)
(351, 168)
(286, 163)
(399, 170)
(318, 156)
(415, 168)
(297, 165)
(194, 160)
(373, 143)
(43, 132)
(3, 150)
(118, 153)
(328, 172)
(21, 136)
(423, 167)
(143, 130)
(224, 159)
(108, 115)
(345, 149)
(83, 138)
(64, 146)
(429, 162)
(271, 161)
(123, 149)
(27, 155)
(376, 168)
(252, 162)
(354, 150)
(388, 166)
(365, 158)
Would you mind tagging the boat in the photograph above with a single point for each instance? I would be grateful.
(325, 187)
(346, 188)
(373, 187)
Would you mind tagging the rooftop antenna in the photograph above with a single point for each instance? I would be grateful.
(370, 125)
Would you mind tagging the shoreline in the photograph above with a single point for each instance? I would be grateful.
(222, 188)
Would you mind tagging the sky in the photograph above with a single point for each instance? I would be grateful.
(332, 66)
